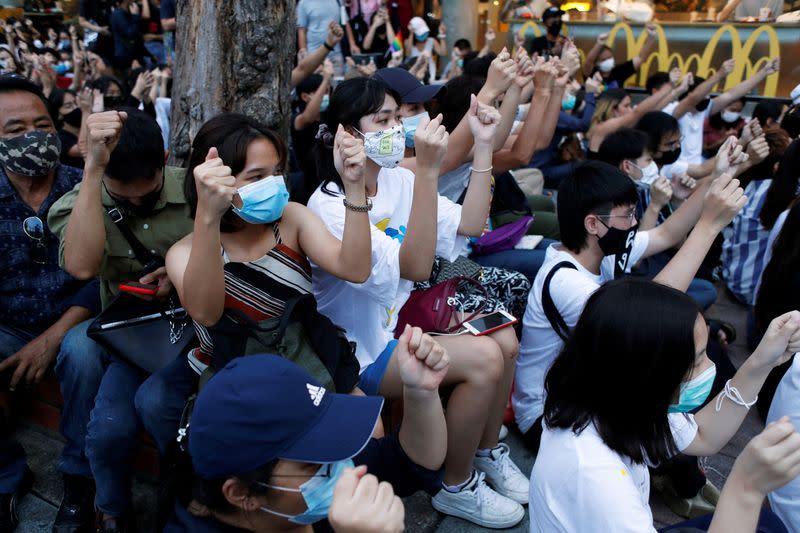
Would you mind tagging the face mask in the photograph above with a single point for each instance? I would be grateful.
(73, 118)
(112, 102)
(568, 103)
(555, 28)
(667, 158)
(326, 100)
(263, 201)
(422, 37)
(385, 147)
(606, 65)
(694, 392)
(61, 69)
(649, 173)
(64, 44)
(31, 154)
(410, 125)
(702, 106)
(317, 493)
(616, 240)
(730, 116)
(146, 205)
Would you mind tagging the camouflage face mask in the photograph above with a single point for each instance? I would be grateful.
(34, 153)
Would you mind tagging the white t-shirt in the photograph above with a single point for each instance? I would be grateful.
(368, 311)
(691, 125)
(580, 484)
(785, 501)
(540, 343)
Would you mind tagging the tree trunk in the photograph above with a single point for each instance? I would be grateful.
(233, 55)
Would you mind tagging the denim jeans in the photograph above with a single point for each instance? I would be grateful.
(527, 262)
(703, 292)
(12, 455)
(156, 49)
(160, 400)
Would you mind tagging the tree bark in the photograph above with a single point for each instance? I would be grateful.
(232, 55)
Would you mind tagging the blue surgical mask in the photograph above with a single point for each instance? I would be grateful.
(695, 391)
(568, 102)
(317, 493)
(263, 201)
(326, 100)
(422, 37)
(410, 124)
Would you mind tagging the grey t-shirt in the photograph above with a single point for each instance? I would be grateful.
(314, 16)
(751, 8)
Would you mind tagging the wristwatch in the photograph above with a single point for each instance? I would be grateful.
(360, 208)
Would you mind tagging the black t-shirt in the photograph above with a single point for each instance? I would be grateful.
(153, 24)
(167, 9)
(616, 78)
(97, 10)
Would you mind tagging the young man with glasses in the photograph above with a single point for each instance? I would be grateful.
(39, 302)
(600, 241)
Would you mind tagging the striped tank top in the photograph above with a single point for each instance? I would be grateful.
(259, 289)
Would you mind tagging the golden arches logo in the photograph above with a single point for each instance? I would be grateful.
(700, 64)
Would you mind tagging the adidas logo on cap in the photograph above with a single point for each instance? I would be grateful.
(316, 393)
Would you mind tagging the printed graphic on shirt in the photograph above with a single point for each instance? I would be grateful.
(398, 234)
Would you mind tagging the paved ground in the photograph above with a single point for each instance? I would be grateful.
(38, 509)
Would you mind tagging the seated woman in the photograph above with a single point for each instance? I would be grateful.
(249, 246)
(591, 472)
(411, 224)
(296, 445)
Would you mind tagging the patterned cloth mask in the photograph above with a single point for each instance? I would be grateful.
(385, 147)
(32, 154)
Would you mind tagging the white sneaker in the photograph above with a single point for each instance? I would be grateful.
(503, 432)
(479, 504)
(503, 475)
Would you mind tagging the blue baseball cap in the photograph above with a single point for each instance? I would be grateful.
(264, 407)
(410, 89)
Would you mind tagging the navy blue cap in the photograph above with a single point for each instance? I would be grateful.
(551, 12)
(410, 89)
(264, 407)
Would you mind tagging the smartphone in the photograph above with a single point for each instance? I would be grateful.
(490, 323)
(138, 288)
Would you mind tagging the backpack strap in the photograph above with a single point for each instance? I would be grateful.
(553, 316)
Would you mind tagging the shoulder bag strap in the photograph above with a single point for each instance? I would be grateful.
(143, 255)
(553, 316)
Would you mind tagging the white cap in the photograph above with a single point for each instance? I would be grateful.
(795, 95)
(418, 26)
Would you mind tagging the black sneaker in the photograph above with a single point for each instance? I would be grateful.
(9, 518)
(76, 513)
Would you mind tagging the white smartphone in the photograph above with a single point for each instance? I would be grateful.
(490, 323)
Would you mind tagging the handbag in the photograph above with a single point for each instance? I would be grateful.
(462, 267)
(502, 238)
(432, 309)
(147, 334)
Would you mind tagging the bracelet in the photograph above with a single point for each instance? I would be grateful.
(733, 394)
(358, 208)
(481, 171)
(442, 36)
(326, 45)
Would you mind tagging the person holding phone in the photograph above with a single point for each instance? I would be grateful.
(410, 224)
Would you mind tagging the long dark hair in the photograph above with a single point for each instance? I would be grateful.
(622, 366)
(231, 134)
(352, 100)
(784, 186)
(777, 140)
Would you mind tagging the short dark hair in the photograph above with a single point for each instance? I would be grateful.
(592, 187)
(14, 83)
(477, 67)
(657, 124)
(783, 187)
(455, 106)
(635, 333)
(103, 82)
(230, 134)
(140, 152)
(625, 143)
(656, 81)
(791, 121)
(767, 109)
(352, 100)
(462, 44)
(309, 85)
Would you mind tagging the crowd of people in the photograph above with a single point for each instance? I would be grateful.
(311, 278)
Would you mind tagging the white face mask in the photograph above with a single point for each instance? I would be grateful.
(606, 65)
(385, 147)
(730, 116)
(649, 173)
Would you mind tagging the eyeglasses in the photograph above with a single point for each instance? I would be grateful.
(34, 229)
(630, 215)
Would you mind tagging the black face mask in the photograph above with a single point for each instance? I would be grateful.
(555, 28)
(146, 204)
(617, 240)
(113, 102)
(702, 106)
(73, 118)
(667, 158)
